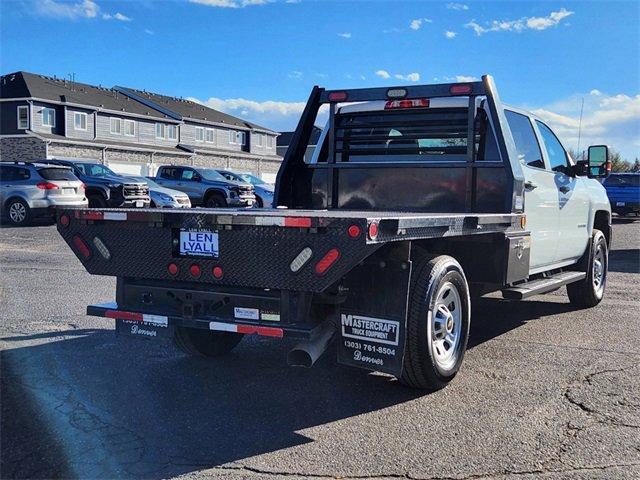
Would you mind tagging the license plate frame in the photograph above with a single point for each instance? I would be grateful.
(139, 203)
(197, 243)
(68, 191)
(621, 204)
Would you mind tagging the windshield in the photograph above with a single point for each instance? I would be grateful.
(252, 179)
(94, 170)
(211, 174)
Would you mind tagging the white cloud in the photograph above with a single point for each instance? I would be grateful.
(417, 23)
(345, 35)
(280, 116)
(295, 74)
(383, 74)
(118, 16)
(149, 31)
(465, 78)
(72, 11)
(524, 23)
(292, 1)
(457, 6)
(607, 119)
(410, 77)
(450, 34)
(231, 3)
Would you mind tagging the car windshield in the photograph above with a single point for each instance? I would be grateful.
(211, 174)
(252, 179)
(94, 170)
(623, 181)
(146, 180)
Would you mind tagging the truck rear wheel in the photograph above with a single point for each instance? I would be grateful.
(589, 292)
(204, 343)
(437, 324)
(215, 200)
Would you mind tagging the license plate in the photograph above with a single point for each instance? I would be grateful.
(620, 204)
(199, 243)
(139, 203)
(68, 191)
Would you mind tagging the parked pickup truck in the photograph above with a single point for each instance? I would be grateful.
(416, 201)
(104, 187)
(206, 187)
(623, 190)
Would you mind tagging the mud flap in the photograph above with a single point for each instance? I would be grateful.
(373, 319)
(133, 328)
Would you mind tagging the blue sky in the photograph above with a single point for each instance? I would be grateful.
(259, 58)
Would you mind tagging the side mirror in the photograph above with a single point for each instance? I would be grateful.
(196, 178)
(598, 164)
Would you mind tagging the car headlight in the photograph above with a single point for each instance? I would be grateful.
(165, 198)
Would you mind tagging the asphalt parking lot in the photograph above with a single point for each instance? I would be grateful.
(545, 391)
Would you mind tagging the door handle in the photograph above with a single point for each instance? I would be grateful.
(564, 189)
(529, 185)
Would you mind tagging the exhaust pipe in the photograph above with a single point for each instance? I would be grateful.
(308, 351)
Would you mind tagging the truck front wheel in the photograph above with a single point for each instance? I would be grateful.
(204, 343)
(437, 324)
(589, 292)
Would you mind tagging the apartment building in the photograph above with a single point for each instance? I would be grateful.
(130, 130)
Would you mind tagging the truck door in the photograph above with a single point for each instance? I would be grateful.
(573, 198)
(169, 177)
(541, 203)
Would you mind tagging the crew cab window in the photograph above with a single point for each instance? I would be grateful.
(437, 135)
(188, 174)
(171, 173)
(524, 137)
(555, 153)
(14, 173)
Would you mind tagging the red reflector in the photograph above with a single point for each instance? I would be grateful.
(81, 246)
(195, 271)
(415, 103)
(460, 89)
(93, 215)
(264, 331)
(65, 220)
(354, 231)
(337, 96)
(373, 230)
(304, 222)
(217, 272)
(123, 315)
(47, 186)
(173, 269)
(325, 262)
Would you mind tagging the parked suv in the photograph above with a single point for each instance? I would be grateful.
(107, 189)
(32, 190)
(263, 190)
(206, 187)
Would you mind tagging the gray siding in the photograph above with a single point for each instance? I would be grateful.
(262, 149)
(145, 132)
(37, 125)
(72, 132)
(9, 118)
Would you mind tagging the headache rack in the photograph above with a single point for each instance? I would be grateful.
(290, 174)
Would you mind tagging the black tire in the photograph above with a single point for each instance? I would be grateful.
(422, 369)
(215, 200)
(97, 201)
(205, 343)
(259, 203)
(590, 291)
(18, 212)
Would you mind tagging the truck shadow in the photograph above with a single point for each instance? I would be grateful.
(131, 408)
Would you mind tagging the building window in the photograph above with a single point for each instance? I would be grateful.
(172, 132)
(269, 141)
(239, 138)
(79, 121)
(210, 135)
(48, 117)
(232, 136)
(115, 126)
(199, 134)
(130, 128)
(160, 130)
(23, 117)
(260, 139)
(242, 138)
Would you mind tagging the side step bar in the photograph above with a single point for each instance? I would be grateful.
(542, 285)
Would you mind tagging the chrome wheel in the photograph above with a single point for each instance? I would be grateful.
(599, 270)
(446, 324)
(17, 212)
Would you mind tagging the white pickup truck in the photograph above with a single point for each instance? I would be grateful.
(417, 200)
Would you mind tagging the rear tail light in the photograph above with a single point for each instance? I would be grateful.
(83, 186)
(415, 103)
(173, 269)
(195, 271)
(217, 272)
(81, 246)
(65, 220)
(373, 230)
(354, 231)
(327, 261)
(337, 96)
(47, 186)
(461, 89)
